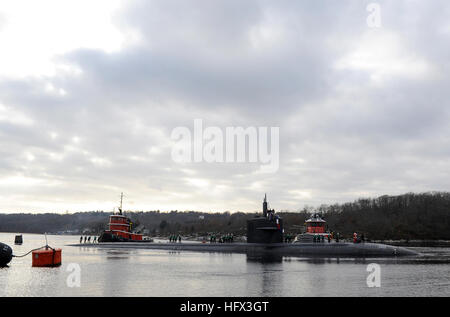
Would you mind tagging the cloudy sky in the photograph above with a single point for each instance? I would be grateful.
(90, 92)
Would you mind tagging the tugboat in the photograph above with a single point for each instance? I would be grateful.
(120, 229)
(315, 227)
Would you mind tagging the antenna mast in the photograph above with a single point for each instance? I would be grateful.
(121, 199)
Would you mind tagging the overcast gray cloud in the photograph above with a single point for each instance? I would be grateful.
(362, 111)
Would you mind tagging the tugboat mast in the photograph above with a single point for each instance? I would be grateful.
(121, 199)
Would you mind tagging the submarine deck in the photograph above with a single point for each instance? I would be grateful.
(342, 249)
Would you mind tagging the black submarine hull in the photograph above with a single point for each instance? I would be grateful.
(281, 249)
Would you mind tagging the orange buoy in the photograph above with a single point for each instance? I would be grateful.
(47, 257)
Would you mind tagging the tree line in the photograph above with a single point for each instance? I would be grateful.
(408, 216)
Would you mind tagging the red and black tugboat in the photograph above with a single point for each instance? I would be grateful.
(120, 229)
(316, 225)
(315, 229)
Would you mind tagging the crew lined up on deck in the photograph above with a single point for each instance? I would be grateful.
(223, 239)
(88, 239)
(175, 238)
(329, 237)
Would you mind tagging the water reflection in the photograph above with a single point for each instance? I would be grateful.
(264, 257)
(265, 270)
(117, 255)
(328, 260)
(116, 276)
(316, 261)
(129, 272)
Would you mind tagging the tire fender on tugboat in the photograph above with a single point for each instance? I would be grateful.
(5, 254)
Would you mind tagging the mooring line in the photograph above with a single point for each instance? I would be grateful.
(45, 246)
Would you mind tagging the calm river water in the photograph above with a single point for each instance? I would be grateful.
(109, 272)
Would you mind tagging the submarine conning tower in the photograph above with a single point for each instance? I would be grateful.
(265, 229)
(265, 206)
